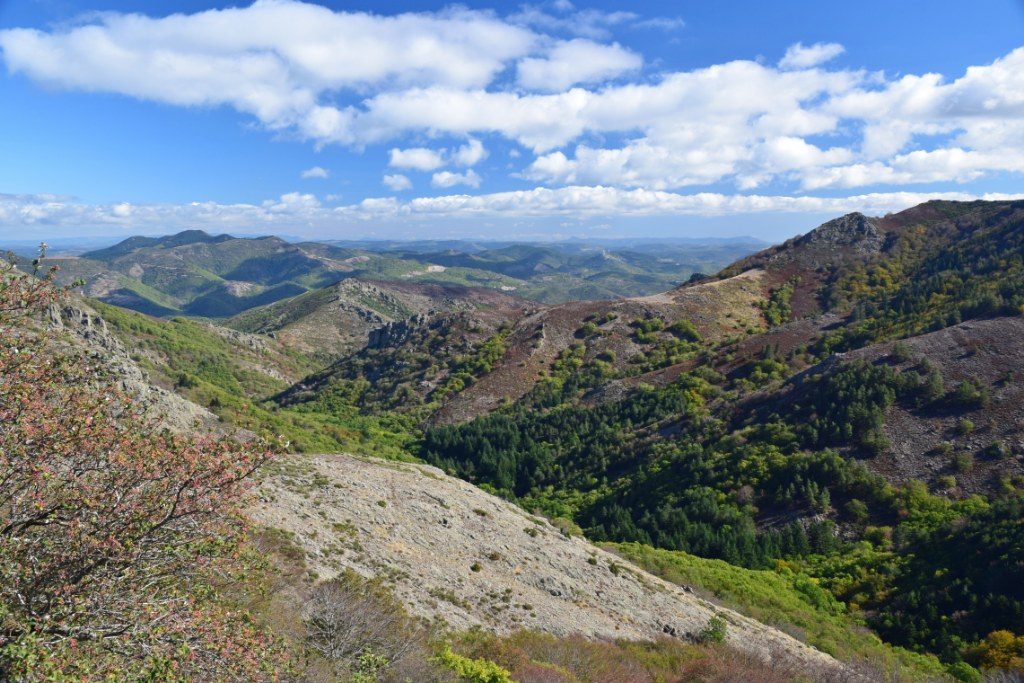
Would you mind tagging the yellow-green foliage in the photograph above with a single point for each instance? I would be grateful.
(1001, 650)
(473, 670)
(776, 308)
(211, 371)
(788, 600)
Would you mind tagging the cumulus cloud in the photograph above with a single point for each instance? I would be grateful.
(277, 60)
(470, 154)
(315, 172)
(449, 179)
(397, 182)
(122, 210)
(576, 61)
(800, 56)
(360, 79)
(418, 158)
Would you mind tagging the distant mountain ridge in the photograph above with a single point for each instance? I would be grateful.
(133, 243)
(219, 276)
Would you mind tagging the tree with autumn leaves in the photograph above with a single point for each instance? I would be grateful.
(114, 534)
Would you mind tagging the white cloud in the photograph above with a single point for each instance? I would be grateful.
(470, 154)
(123, 210)
(43, 214)
(661, 23)
(397, 182)
(589, 23)
(800, 56)
(316, 172)
(950, 164)
(614, 202)
(418, 158)
(292, 203)
(576, 61)
(273, 59)
(361, 79)
(449, 179)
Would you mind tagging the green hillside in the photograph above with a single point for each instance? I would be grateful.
(202, 275)
(786, 599)
(825, 435)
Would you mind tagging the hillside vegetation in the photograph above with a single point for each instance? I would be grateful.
(779, 449)
(198, 274)
(838, 417)
(125, 554)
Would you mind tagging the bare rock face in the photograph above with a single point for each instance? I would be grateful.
(88, 331)
(454, 552)
(854, 231)
(395, 332)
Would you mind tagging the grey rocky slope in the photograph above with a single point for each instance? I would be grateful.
(453, 552)
(88, 333)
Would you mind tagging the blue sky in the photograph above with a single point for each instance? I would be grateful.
(417, 119)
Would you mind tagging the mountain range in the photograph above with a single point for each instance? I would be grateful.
(841, 412)
(197, 274)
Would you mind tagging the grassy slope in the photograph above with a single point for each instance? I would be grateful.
(789, 601)
(234, 381)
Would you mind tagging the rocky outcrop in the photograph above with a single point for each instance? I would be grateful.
(454, 552)
(854, 231)
(88, 331)
(396, 332)
(338, 320)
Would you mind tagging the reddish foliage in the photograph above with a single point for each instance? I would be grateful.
(111, 530)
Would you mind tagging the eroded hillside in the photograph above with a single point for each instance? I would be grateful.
(453, 552)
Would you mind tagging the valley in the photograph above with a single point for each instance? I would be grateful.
(201, 275)
(536, 341)
(839, 415)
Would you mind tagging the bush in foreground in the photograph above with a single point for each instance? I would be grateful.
(113, 533)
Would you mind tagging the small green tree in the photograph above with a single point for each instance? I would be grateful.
(715, 631)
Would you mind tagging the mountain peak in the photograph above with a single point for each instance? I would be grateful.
(139, 242)
(190, 237)
(854, 230)
(828, 245)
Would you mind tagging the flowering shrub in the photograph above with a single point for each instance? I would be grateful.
(113, 533)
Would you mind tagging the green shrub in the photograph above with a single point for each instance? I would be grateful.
(473, 670)
(970, 394)
(996, 450)
(963, 462)
(685, 330)
(964, 426)
(714, 632)
(901, 352)
(857, 511)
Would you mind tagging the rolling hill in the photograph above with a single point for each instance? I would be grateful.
(855, 385)
(201, 275)
(329, 521)
(837, 406)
